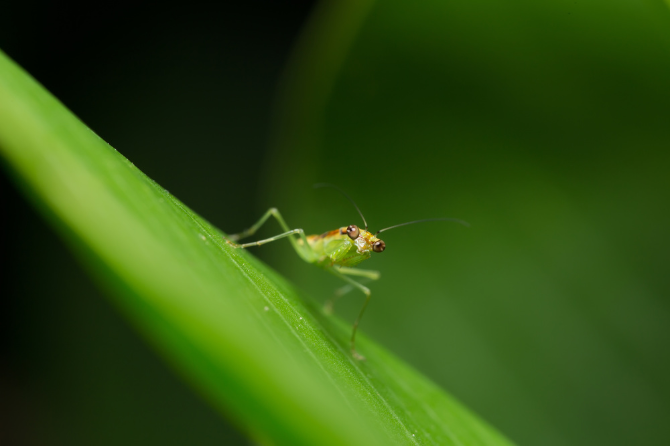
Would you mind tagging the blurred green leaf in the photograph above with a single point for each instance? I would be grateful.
(544, 125)
(235, 329)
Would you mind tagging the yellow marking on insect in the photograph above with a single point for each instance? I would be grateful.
(337, 251)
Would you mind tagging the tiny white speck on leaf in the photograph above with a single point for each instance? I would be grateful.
(266, 308)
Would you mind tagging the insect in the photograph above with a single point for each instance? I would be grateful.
(337, 251)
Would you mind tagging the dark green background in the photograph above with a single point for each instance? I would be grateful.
(545, 125)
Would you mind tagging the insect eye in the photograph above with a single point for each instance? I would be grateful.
(353, 232)
(379, 246)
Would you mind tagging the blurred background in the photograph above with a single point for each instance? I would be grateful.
(545, 125)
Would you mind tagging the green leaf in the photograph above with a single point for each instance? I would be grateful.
(240, 334)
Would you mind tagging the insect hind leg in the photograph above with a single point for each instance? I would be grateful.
(303, 249)
(267, 240)
(256, 226)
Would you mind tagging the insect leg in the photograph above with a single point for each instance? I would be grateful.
(367, 274)
(372, 275)
(365, 291)
(330, 303)
(304, 249)
(267, 240)
(252, 230)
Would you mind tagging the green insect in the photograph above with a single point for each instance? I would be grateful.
(337, 251)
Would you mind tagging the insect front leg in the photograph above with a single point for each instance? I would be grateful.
(366, 291)
(368, 274)
(304, 250)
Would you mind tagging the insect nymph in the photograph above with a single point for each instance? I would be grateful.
(337, 251)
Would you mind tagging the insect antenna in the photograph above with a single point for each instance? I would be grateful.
(464, 223)
(318, 185)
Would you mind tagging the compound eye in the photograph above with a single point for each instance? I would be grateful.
(353, 232)
(379, 246)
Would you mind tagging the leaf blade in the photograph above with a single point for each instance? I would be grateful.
(235, 329)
